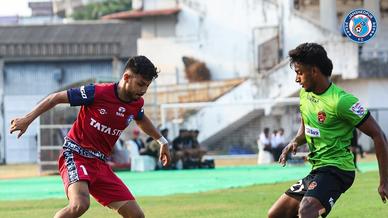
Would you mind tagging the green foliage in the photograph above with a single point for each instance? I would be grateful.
(362, 200)
(94, 11)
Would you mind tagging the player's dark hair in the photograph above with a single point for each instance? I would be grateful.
(141, 65)
(311, 54)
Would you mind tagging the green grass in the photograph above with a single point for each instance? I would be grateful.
(362, 200)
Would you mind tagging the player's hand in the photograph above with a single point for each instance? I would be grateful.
(291, 147)
(383, 191)
(19, 124)
(164, 155)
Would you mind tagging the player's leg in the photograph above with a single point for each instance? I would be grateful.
(127, 209)
(288, 204)
(311, 207)
(79, 201)
(324, 190)
(284, 207)
(75, 173)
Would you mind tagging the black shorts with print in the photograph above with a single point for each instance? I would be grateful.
(325, 184)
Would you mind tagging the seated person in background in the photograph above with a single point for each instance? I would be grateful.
(264, 145)
(120, 156)
(136, 140)
(177, 150)
(187, 149)
(279, 144)
(193, 149)
(151, 148)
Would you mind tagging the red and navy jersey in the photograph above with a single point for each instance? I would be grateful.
(102, 117)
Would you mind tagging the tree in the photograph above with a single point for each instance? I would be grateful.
(94, 11)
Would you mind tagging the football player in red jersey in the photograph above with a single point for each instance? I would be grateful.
(106, 110)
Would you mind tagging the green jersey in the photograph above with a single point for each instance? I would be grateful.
(329, 119)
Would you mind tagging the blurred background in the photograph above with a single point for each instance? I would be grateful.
(224, 93)
(223, 65)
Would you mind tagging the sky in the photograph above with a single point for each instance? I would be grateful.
(15, 7)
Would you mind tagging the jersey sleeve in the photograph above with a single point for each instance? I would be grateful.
(351, 110)
(140, 114)
(83, 95)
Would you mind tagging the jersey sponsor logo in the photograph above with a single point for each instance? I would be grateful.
(321, 116)
(312, 185)
(312, 99)
(102, 111)
(120, 112)
(83, 92)
(105, 129)
(358, 109)
(312, 132)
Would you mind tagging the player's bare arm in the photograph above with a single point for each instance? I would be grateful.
(146, 125)
(21, 123)
(298, 140)
(373, 130)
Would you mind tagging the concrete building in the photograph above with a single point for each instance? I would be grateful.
(36, 60)
(250, 39)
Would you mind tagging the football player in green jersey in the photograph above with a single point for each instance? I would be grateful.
(329, 115)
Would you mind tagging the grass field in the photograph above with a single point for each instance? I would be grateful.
(361, 200)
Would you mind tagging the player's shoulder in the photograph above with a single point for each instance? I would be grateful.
(103, 85)
(341, 94)
(139, 101)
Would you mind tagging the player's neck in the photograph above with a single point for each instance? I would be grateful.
(121, 93)
(322, 86)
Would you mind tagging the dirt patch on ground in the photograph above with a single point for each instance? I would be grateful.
(18, 171)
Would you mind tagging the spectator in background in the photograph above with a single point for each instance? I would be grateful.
(120, 156)
(177, 149)
(194, 151)
(136, 140)
(274, 143)
(164, 133)
(279, 144)
(152, 147)
(187, 152)
(264, 144)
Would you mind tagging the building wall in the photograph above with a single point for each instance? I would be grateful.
(45, 77)
(157, 4)
(25, 84)
(24, 149)
(226, 40)
(158, 27)
(226, 35)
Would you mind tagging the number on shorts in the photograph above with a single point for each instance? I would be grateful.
(297, 187)
(84, 170)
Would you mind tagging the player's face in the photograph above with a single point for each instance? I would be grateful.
(304, 76)
(136, 86)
